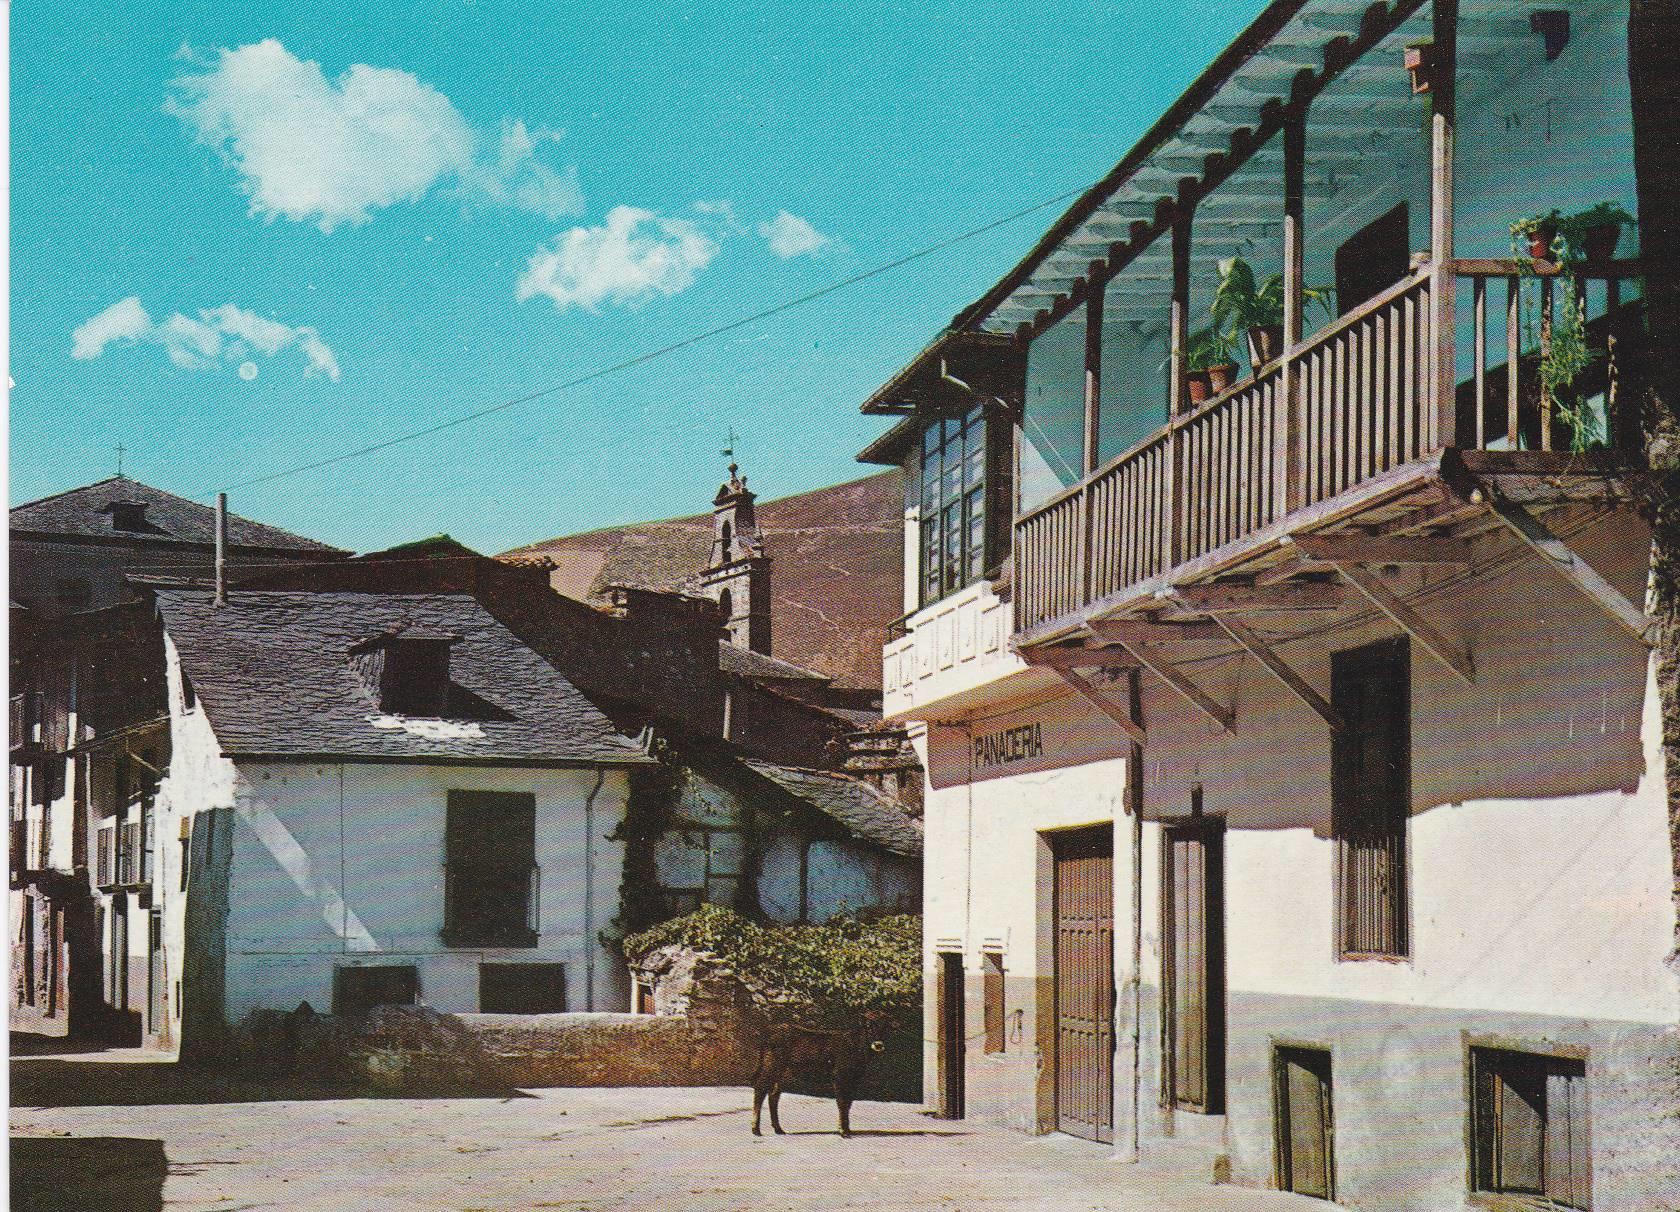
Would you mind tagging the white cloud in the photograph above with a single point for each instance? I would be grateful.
(331, 151)
(220, 336)
(631, 258)
(790, 236)
(122, 321)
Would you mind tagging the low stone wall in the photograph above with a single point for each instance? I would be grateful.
(601, 1049)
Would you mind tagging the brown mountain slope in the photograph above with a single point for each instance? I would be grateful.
(837, 568)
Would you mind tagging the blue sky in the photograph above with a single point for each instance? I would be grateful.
(246, 236)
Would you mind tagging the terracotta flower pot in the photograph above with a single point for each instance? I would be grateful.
(1265, 344)
(1197, 382)
(1222, 376)
(1599, 243)
(1540, 241)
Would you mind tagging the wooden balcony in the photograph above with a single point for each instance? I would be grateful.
(1346, 425)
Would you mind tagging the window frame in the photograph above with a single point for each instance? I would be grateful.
(1556, 1062)
(994, 1001)
(957, 503)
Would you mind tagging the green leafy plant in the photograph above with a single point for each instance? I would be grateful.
(1241, 301)
(1206, 348)
(1567, 354)
(830, 975)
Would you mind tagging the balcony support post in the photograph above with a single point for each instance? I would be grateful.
(1443, 297)
(1111, 709)
(1294, 489)
(1178, 389)
(1093, 425)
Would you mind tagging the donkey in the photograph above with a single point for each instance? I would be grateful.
(841, 1056)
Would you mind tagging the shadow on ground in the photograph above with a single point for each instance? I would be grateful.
(74, 1174)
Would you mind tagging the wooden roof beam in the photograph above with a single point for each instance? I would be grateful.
(1078, 657)
(1380, 549)
(1144, 631)
(1239, 598)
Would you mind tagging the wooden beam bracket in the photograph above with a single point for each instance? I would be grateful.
(1556, 553)
(1453, 655)
(1225, 717)
(1103, 704)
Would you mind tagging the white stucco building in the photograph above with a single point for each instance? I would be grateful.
(1296, 803)
(378, 798)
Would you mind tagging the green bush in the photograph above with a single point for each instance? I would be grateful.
(831, 975)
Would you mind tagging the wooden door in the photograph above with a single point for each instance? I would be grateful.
(1084, 901)
(953, 1054)
(1305, 1160)
(156, 980)
(1193, 992)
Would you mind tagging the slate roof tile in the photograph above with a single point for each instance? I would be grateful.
(273, 672)
(86, 512)
(854, 804)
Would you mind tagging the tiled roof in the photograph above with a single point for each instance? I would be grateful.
(745, 663)
(836, 573)
(86, 512)
(854, 804)
(273, 672)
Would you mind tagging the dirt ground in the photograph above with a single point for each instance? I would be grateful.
(124, 1133)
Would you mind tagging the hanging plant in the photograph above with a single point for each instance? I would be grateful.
(1568, 241)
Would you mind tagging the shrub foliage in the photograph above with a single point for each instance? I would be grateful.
(832, 975)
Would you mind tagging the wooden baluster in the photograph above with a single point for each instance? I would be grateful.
(1479, 286)
(1545, 349)
(1513, 357)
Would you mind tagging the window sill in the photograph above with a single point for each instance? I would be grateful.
(500, 938)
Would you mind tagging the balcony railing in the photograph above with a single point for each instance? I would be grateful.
(1352, 401)
(491, 906)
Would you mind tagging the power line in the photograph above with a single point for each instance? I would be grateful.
(650, 355)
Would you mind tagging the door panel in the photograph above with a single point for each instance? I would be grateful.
(953, 1053)
(1084, 913)
(1305, 1163)
(1194, 987)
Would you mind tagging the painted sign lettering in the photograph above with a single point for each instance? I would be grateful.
(1008, 746)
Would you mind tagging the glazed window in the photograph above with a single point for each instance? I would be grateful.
(953, 504)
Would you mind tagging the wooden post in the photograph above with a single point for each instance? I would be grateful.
(1443, 82)
(1294, 258)
(1178, 391)
(1093, 373)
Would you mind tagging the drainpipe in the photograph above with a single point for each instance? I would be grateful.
(221, 550)
(590, 942)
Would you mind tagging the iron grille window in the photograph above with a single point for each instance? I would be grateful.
(953, 504)
(1529, 1126)
(1371, 799)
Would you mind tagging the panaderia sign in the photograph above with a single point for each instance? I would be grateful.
(1063, 732)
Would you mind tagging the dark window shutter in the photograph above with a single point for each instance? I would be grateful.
(1371, 797)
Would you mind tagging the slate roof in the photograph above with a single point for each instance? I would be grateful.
(86, 513)
(273, 672)
(836, 572)
(854, 804)
(745, 663)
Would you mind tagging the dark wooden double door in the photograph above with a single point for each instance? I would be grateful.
(1084, 917)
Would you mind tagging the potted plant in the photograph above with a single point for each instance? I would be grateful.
(1205, 352)
(1244, 307)
(1591, 235)
(1537, 234)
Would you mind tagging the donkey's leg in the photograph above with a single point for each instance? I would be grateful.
(776, 1100)
(761, 1086)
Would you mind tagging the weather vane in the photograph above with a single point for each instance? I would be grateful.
(121, 450)
(728, 452)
